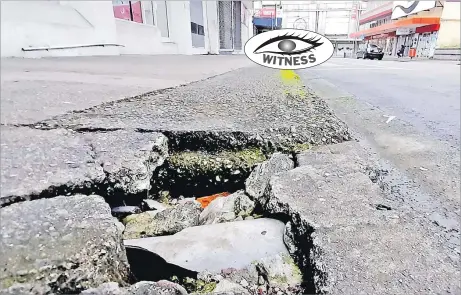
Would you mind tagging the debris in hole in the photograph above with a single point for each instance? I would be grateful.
(225, 209)
(237, 245)
(264, 232)
(165, 222)
(140, 288)
(124, 211)
(149, 204)
(205, 201)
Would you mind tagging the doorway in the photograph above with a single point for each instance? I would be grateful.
(230, 30)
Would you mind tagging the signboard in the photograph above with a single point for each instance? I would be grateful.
(404, 8)
(404, 31)
(268, 12)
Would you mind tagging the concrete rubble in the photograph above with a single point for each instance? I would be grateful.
(162, 222)
(61, 245)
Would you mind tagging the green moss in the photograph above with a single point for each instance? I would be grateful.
(203, 162)
(164, 197)
(300, 147)
(196, 286)
(7, 282)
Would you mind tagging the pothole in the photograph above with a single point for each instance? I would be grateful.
(198, 214)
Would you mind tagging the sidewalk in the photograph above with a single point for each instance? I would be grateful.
(37, 89)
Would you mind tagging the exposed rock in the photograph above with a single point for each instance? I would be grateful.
(185, 200)
(111, 288)
(221, 209)
(140, 288)
(243, 205)
(237, 245)
(226, 287)
(129, 158)
(149, 204)
(288, 238)
(158, 223)
(124, 211)
(225, 209)
(258, 180)
(61, 245)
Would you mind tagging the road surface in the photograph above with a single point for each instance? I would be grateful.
(408, 114)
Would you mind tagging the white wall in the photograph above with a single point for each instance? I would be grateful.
(210, 10)
(449, 32)
(26, 24)
(142, 39)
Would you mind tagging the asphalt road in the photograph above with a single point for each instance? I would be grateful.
(425, 94)
(408, 115)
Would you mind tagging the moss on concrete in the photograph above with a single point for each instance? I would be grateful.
(198, 174)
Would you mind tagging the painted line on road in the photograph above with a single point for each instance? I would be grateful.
(292, 84)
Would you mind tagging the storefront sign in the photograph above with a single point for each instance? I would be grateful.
(268, 12)
(404, 8)
(405, 31)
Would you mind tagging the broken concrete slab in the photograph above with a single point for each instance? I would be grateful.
(140, 288)
(325, 200)
(388, 258)
(270, 113)
(256, 183)
(128, 158)
(164, 222)
(40, 163)
(61, 245)
(230, 245)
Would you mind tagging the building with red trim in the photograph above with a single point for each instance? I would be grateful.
(432, 28)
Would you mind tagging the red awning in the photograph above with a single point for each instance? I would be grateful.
(414, 22)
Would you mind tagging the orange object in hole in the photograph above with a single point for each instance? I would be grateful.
(205, 201)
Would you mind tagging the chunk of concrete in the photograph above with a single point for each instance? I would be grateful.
(140, 288)
(325, 200)
(129, 158)
(258, 180)
(226, 287)
(61, 245)
(218, 246)
(388, 258)
(221, 209)
(165, 222)
(35, 161)
(225, 209)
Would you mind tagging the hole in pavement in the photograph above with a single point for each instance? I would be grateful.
(195, 174)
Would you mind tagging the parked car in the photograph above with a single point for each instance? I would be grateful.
(370, 51)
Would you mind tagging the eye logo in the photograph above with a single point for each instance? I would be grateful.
(289, 49)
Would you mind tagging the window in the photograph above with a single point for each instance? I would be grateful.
(127, 10)
(149, 12)
(197, 29)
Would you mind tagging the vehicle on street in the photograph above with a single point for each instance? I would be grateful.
(370, 51)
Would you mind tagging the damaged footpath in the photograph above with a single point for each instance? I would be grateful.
(185, 192)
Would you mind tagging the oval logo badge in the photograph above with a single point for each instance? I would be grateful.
(289, 49)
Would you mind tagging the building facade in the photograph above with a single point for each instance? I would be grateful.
(334, 19)
(431, 28)
(72, 28)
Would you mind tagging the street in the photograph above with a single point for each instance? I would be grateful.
(352, 154)
(407, 113)
(424, 94)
